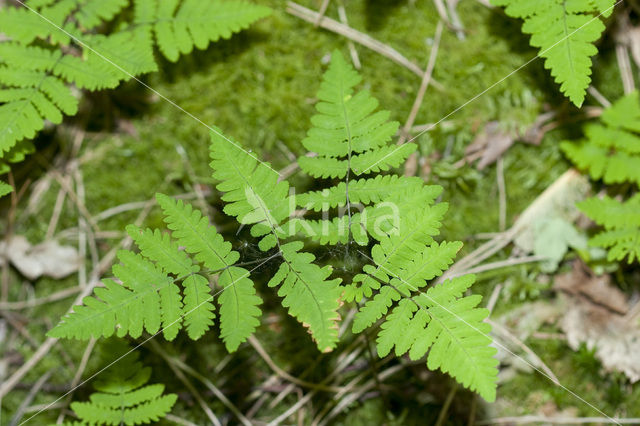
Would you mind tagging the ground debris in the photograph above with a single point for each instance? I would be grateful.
(595, 315)
(45, 259)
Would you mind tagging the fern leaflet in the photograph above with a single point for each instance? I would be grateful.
(441, 320)
(150, 299)
(349, 138)
(255, 197)
(621, 222)
(39, 63)
(123, 398)
(565, 31)
(611, 151)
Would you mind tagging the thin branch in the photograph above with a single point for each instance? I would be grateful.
(426, 79)
(283, 374)
(502, 195)
(177, 365)
(358, 37)
(62, 294)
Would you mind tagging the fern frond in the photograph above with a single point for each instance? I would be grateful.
(251, 189)
(179, 26)
(239, 310)
(255, 197)
(347, 134)
(310, 297)
(621, 222)
(611, 152)
(441, 320)
(565, 32)
(35, 79)
(22, 25)
(150, 299)
(92, 13)
(5, 189)
(123, 399)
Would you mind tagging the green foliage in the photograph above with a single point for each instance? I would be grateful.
(399, 213)
(621, 222)
(440, 320)
(255, 197)
(348, 137)
(565, 31)
(5, 189)
(611, 152)
(57, 45)
(123, 398)
(149, 297)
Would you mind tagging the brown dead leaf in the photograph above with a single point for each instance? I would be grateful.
(494, 140)
(47, 258)
(595, 316)
(491, 142)
(597, 290)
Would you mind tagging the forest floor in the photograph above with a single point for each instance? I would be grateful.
(99, 172)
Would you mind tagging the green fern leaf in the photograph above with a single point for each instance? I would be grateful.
(440, 320)
(565, 32)
(251, 189)
(311, 298)
(238, 301)
(159, 247)
(182, 25)
(5, 189)
(35, 79)
(149, 298)
(611, 152)
(239, 310)
(254, 195)
(92, 13)
(347, 134)
(123, 399)
(621, 222)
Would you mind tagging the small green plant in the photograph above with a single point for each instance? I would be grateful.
(53, 46)
(123, 397)
(393, 287)
(565, 32)
(611, 152)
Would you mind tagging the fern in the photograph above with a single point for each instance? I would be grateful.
(149, 298)
(611, 152)
(350, 138)
(441, 321)
(39, 63)
(255, 197)
(165, 285)
(5, 189)
(621, 222)
(179, 26)
(565, 31)
(123, 398)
